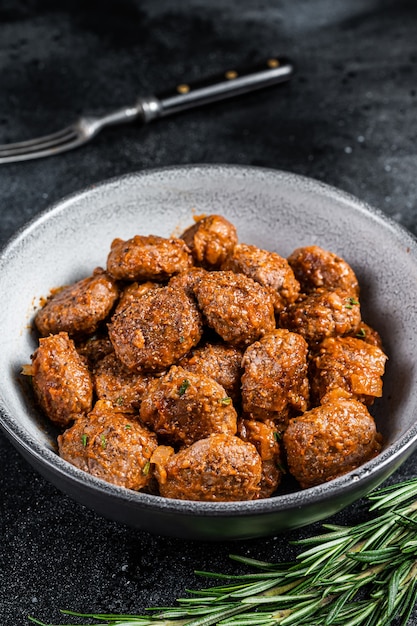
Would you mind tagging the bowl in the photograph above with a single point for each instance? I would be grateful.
(272, 209)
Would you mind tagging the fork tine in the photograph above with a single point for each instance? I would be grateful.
(12, 157)
(66, 134)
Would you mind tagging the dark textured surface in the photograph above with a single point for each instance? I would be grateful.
(347, 118)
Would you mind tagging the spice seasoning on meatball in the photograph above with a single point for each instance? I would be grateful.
(221, 362)
(78, 309)
(211, 239)
(61, 380)
(110, 445)
(155, 331)
(182, 407)
(330, 440)
(274, 379)
(322, 314)
(268, 269)
(235, 306)
(316, 268)
(132, 292)
(220, 468)
(351, 364)
(145, 258)
(120, 386)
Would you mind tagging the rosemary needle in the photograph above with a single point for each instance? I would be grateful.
(361, 575)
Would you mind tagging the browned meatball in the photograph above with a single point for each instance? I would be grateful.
(317, 268)
(329, 441)
(351, 364)
(147, 258)
(368, 335)
(264, 438)
(79, 308)
(120, 386)
(219, 361)
(156, 330)
(220, 468)
(183, 407)
(95, 348)
(210, 240)
(323, 314)
(267, 268)
(61, 380)
(275, 376)
(134, 291)
(110, 445)
(235, 306)
(187, 280)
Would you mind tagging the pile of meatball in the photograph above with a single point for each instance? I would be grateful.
(202, 368)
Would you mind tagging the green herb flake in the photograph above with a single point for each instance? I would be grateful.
(350, 303)
(128, 427)
(120, 400)
(361, 333)
(182, 339)
(183, 387)
(103, 441)
(277, 435)
(226, 401)
(84, 440)
(146, 468)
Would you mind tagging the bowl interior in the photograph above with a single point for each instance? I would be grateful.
(271, 209)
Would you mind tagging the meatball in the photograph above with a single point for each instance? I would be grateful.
(79, 308)
(351, 364)
(110, 445)
(219, 361)
(322, 314)
(61, 381)
(211, 239)
(219, 468)
(115, 383)
(317, 268)
(94, 349)
(182, 407)
(330, 440)
(267, 268)
(275, 376)
(147, 258)
(264, 438)
(132, 292)
(187, 280)
(235, 306)
(155, 331)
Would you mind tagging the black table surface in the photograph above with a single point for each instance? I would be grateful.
(346, 118)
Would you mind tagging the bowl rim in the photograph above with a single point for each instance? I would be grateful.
(382, 465)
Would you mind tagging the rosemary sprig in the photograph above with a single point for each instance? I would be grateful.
(361, 575)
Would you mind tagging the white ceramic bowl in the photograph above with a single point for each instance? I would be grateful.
(271, 209)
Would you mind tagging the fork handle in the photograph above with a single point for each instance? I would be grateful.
(230, 84)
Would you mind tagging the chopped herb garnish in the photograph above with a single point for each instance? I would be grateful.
(350, 302)
(183, 387)
(277, 435)
(128, 426)
(84, 440)
(361, 333)
(182, 339)
(146, 468)
(226, 401)
(103, 441)
(120, 400)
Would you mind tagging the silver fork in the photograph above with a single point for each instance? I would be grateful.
(185, 96)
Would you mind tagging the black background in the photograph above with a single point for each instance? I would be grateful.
(346, 118)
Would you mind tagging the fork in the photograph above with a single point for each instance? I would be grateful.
(185, 96)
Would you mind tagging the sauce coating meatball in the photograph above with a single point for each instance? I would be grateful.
(274, 379)
(211, 239)
(264, 438)
(322, 314)
(110, 445)
(61, 380)
(79, 308)
(184, 407)
(316, 268)
(267, 268)
(120, 386)
(219, 468)
(330, 440)
(221, 362)
(235, 306)
(156, 330)
(350, 364)
(149, 257)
